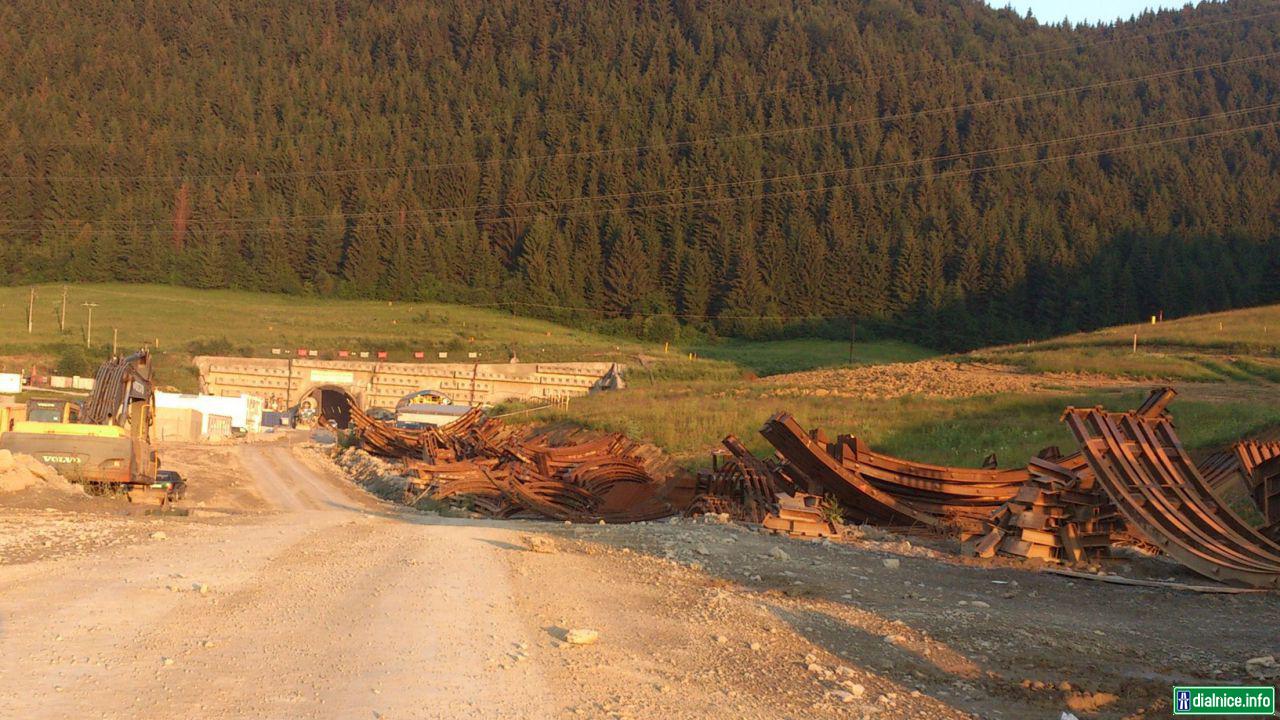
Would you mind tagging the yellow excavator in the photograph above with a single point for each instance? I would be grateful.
(108, 448)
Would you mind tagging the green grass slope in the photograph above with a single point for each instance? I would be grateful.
(181, 322)
(1235, 346)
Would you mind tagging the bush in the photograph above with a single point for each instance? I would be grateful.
(660, 328)
(218, 346)
(74, 360)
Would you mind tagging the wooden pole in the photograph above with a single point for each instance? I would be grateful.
(853, 334)
(31, 309)
(115, 337)
(88, 335)
(62, 315)
(1135, 343)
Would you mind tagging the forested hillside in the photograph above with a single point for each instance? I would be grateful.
(960, 172)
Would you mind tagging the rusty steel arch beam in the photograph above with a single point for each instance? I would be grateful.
(1147, 473)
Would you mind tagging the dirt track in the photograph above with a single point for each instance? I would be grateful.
(289, 594)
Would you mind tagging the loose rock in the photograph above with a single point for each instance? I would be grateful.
(581, 636)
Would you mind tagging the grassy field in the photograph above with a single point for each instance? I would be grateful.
(780, 356)
(182, 322)
(1237, 346)
(1237, 353)
(181, 318)
(689, 419)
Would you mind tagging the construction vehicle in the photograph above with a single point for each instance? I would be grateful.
(427, 408)
(53, 411)
(108, 447)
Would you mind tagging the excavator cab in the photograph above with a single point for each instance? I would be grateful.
(53, 411)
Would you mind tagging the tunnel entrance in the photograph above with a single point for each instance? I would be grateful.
(332, 405)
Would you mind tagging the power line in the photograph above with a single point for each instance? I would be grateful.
(950, 67)
(756, 134)
(863, 184)
(218, 222)
(890, 181)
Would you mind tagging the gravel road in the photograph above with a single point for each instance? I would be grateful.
(289, 593)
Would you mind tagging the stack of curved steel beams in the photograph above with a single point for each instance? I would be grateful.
(1144, 468)
(1260, 469)
(880, 488)
(1062, 514)
(1238, 462)
(1266, 493)
(458, 437)
(502, 471)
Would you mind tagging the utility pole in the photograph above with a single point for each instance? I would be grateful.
(88, 335)
(853, 333)
(62, 316)
(31, 309)
(115, 336)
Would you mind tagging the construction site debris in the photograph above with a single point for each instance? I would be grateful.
(879, 488)
(1143, 467)
(504, 471)
(1059, 514)
(801, 515)
(1131, 482)
(739, 484)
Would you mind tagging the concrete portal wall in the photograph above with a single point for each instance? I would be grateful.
(284, 382)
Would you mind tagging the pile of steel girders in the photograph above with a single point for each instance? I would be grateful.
(1266, 493)
(503, 471)
(1255, 465)
(1237, 462)
(1059, 514)
(1131, 481)
(739, 485)
(1147, 473)
(878, 488)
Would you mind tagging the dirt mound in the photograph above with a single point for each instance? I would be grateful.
(23, 472)
(931, 378)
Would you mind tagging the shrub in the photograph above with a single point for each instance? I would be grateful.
(74, 360)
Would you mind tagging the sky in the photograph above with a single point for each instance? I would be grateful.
(1084, 10)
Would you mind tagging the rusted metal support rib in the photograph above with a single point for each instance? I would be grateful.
(1142, 465)
(1266, 493)
(856, 493)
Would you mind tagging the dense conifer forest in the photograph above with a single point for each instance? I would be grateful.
(956, 173)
